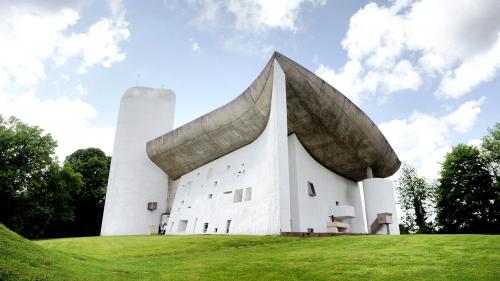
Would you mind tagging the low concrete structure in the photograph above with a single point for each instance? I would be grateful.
(284, 156)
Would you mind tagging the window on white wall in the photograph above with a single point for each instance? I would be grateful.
(238, 195)
(182, 225)
(248, 194)
(210, 196)
(228, 225)
(310, 189)
(215, 183)
(205, 227)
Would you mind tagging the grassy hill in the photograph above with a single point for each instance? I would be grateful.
(213, 257)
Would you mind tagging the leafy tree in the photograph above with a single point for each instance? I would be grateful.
(93, 165)
(490, 148)
(467, 198)
(34, 190)
(415, 199)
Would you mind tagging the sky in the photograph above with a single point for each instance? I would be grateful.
(426, 72)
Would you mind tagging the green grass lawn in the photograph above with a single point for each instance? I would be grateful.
(217, 257)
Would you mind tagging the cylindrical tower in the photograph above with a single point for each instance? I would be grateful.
(137, 189)
(380, 199)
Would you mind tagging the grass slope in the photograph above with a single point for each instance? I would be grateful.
(212, 257)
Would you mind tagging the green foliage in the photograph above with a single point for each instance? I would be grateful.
(219, 257)
(35, 192)
(467, 198)
(491, 146)
(93, 165)
(415, 198)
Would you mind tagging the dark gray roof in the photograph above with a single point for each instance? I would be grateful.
(331, 128)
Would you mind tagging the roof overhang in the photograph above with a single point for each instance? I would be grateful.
(333, 130)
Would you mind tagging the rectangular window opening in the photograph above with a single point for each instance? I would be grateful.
(310, 189)
(205, 227)
(310, 230)
(238, 196)
(228, 225)
(248, 194)
(182, 226)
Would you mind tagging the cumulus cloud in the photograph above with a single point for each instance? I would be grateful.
(423, 139)
(100, 44)
(68, 120)
(392, 48)
(253, 15)
(248, 22)
(33, 35)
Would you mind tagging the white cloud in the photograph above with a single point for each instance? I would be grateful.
(33, 35)
(253, 15)
(457, 42)
(99, 45)
(68, 120)
(422, 140)
(195, 47)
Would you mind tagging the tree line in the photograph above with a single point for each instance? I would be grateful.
(464, 199)
(39, 197)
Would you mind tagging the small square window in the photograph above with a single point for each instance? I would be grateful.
(310, 189)
(238, 196)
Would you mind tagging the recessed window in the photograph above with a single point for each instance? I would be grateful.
(205, 227)
(228, 192)
(238, 195)
(310, 230)
(152, 206)
(310, 189)
(336, 203)
(182, 225)
(228, 225)
(248, 194)
(210, 196)
(215, 230)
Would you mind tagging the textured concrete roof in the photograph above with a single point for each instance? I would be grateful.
(331, 128)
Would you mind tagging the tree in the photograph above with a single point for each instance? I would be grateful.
(467, 198)
(33, 188)
(93, 165)
(415, 197)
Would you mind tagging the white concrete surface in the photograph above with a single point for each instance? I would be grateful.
(134, 180)
(314, 212)
(379, 198)
(207, 194)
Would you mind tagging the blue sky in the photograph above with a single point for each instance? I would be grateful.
(425, 71)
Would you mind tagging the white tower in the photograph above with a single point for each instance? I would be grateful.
(137, 189)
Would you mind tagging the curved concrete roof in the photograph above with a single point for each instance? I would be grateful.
(330, 127)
